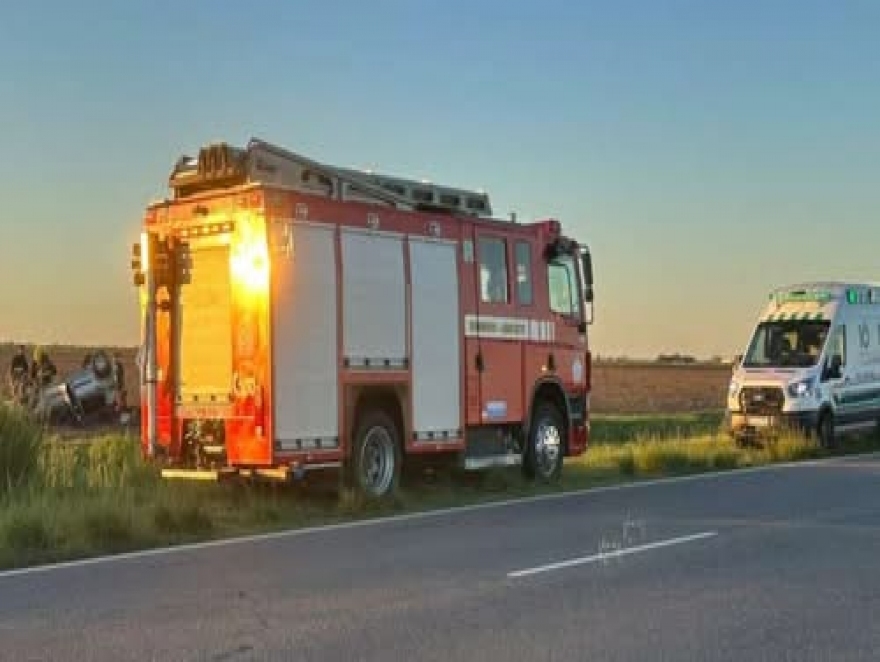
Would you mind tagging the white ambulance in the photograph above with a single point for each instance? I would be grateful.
(813, 362)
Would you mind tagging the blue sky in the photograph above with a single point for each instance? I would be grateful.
(706, 151)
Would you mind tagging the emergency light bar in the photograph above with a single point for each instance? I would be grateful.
(802, 296)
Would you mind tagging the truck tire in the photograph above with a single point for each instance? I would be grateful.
(376, 457)
(545, 448)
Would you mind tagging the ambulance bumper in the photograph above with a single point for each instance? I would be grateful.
(750, 426)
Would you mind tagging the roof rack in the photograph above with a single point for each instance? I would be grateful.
(220, 164)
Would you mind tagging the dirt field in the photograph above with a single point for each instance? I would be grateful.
(619, 388)
(648, 388)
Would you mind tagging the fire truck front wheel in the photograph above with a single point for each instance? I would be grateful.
(545, 450)
(376, 458)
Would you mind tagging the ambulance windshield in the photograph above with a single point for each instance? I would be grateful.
(786, 344)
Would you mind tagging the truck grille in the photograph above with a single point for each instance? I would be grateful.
(761, 400)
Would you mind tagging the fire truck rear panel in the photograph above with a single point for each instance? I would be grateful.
(204, 328)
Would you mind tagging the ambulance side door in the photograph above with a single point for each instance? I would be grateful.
(836, 372)
(860, 390)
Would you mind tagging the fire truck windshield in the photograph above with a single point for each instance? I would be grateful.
(563, 280)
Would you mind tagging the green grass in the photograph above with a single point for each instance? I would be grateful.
(607, 429)
(20, 447)
(63, 500)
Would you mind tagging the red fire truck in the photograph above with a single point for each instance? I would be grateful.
(299, 316)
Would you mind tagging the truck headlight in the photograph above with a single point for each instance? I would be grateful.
(802, 388)
(732, 392)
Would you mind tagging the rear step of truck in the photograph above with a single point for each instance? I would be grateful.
(282, 473)
(270, 473)
(489, 461)
(174, 473)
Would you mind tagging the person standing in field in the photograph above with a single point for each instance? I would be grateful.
(43, 371)
(18, 372)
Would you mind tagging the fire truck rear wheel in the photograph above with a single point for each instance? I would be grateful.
(376, 457)
(546, 449)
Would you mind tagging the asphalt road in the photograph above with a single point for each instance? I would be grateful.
(780, 564)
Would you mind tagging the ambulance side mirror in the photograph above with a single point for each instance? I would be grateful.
(833, 368)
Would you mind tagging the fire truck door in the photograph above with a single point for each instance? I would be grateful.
(565, 293)
(500, 332)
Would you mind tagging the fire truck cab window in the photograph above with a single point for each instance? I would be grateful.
(524, 273)
(493, 270)
(561, 280)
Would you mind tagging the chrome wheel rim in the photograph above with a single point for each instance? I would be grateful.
(548, 446)
(377, 461)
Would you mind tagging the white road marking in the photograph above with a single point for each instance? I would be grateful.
(601, 556)
(427, 514)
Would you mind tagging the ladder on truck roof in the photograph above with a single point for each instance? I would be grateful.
(221, 164)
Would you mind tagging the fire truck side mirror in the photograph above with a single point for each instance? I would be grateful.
(587, 268)
(137, 266)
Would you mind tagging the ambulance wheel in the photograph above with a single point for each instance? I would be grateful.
(545, 449)
(826, 430)
(375, 460)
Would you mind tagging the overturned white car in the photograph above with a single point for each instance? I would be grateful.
(91, 393)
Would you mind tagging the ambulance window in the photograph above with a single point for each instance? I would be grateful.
(524, 273)
(561, 280)
(493, 270)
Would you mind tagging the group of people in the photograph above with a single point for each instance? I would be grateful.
(40, 372)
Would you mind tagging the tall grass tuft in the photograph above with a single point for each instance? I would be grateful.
(21, 444)
(109, 463)
(115, 463)
(655, 456)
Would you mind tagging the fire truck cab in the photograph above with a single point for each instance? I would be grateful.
(299, 316)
